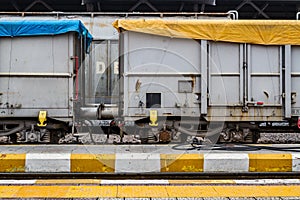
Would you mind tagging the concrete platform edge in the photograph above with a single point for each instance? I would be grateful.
(149, 162)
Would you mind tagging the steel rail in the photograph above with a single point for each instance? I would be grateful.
(157, 175)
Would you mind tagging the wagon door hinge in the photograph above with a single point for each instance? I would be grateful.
(245, 66)
(245, 109)
(245, 85)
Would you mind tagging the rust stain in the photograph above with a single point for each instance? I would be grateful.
(102, 25)
(193, 81)
(92, 24)
(3, 156)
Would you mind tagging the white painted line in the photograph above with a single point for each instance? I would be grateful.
(17, 182)
(134, 182)
(226, 162)
(296, 162)
(269, 181)
(48, 162)
(137, 162)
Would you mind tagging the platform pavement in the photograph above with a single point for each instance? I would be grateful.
(150, 189)
(148, 158)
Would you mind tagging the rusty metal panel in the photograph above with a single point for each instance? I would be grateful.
(255, 113)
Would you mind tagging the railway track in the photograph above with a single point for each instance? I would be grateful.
(152, 176)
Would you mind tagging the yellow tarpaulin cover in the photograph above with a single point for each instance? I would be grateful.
(266, 32)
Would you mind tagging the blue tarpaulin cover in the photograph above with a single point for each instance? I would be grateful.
(43, 27)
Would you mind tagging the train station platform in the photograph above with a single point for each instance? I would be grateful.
(151, 189)
(149, 158)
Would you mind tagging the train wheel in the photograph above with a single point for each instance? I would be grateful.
(255, 137)
(55, 137)
(13, 138)
(252, 137)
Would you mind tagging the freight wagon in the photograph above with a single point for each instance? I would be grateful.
(39, 78)
(216, 80)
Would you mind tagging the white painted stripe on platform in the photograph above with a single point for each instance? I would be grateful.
(48, 162)
(268, 181)
(296, 162)
(17, 182)
(226, 162)
(134, 182)
(137, 162)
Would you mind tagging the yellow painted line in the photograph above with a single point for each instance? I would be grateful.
(267, 191)
(181, 162)
(68, 181)
(56, 191)
(93, 162)
(12, 162)
(270, 162)
(168, 191)
(200, 182)
(142, 191)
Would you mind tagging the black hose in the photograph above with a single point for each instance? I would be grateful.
(15, 130)
(226, 147)
(195, 133)
(221, 147)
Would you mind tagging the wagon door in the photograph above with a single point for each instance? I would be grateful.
(264, 75)
(224, 70)
(225, 78)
